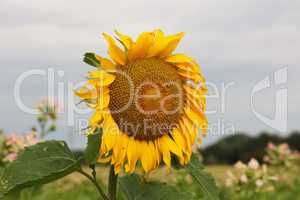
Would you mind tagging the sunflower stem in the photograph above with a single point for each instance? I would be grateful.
(112, 183)
(94, 181)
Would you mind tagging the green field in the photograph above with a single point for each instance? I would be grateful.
(76, 187)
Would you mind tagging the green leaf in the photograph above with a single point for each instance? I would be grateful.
(12, 196)
(135, 188)
(38, 164)
(206, 182)
(92, 150)
(91, 59)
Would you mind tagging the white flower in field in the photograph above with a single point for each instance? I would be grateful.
(259, 183)
(244, 178)
(240, 165)
(253, 164)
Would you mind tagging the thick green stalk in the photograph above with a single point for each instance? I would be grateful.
(112, 184)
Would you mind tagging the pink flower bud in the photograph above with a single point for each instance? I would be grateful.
(11, 157)
(12, 139)
(271, 146)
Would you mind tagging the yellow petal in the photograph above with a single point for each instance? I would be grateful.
(182, 139)
(120, 149)
(133, 154)
(125, 140)
(179, 58)
(111, 132)
(155, 155)
(103, 149)
(159, 44)
(100, 78)
(183, 62)
(167, 145)
(166, 155)
(179, 139)
(198, 118)
(95, 119)
(172, 146)
(190, 76)
(86, 93)
(197, 93)
(114, 51)
(117, 168)
(195, 97)
(126, 40)
(204, 88)
(194, 103)
(147, 157)
(103, 101)
(171, 44)
(95, 98)
(158, 157)
(186, 134)
(189, 67)
(192, 129)
(141, 47)
(106, 63)
(186, 159)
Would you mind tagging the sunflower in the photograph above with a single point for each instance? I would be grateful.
(149, 102)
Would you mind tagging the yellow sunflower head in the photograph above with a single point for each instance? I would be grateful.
(149, 102)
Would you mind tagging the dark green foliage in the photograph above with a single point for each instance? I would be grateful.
(205, 181)
(294, 140)
(204, 185)
(237, 147)
(38, 164)
(135, 188)
(92, 150)
(90, 58)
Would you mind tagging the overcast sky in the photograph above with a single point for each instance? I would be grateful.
(237, 42)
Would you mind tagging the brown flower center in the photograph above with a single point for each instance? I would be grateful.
(146, 98)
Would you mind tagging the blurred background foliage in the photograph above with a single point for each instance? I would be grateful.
(241, 147)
